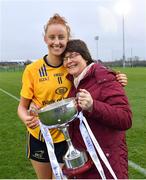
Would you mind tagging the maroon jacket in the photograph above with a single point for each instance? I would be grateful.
(109, 119)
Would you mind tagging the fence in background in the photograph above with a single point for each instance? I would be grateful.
(11, 68)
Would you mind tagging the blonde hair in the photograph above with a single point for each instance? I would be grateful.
(57, 19)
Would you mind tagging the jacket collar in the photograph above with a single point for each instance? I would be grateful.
(90, 71)
(82, 75)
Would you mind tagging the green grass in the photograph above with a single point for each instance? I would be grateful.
(136, 136)
(13, 161)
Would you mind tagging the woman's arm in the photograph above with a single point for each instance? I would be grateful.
(112, 109)
(29, 119)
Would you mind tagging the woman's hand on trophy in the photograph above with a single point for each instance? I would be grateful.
(31, 121)
(122, 78)
(28, 116)
(84, 100)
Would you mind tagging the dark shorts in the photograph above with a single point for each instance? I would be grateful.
(37, 150)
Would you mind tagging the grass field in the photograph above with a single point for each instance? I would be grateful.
(13, 161)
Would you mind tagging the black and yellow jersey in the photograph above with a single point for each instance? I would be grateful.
(45, 84)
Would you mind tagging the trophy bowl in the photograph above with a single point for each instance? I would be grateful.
(58, 113)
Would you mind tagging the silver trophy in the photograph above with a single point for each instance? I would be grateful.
(59, 115)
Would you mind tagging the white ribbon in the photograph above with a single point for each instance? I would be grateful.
(50, 148)
(91, 149)
(88, 138)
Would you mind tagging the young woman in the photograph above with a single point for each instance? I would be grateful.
(104, 104)
(44, 82)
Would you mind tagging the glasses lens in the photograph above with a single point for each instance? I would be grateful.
(72, 55)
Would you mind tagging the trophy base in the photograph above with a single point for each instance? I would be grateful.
(75, 159)
(70, 172)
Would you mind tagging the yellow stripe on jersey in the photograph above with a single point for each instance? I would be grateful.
(44, 85)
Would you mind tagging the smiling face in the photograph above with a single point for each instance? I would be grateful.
(56, 37)
(74, 63)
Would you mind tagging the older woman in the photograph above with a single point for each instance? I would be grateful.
(105, 106)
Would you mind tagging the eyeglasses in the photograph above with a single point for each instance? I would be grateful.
(72, 55)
